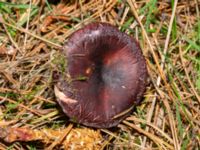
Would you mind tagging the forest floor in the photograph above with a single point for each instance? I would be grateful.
(32, 33)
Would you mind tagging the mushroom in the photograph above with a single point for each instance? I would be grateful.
(105, 76)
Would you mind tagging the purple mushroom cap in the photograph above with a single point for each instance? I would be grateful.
(105, 76)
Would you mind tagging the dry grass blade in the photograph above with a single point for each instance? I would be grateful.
(27, 32)
(156, 139)
(160, 68)
(27, 23)
(151, 125)
(117, 137)
(187, 74)
(20, 105)
(11, 39)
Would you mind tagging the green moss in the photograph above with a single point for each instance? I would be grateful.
(60, 62)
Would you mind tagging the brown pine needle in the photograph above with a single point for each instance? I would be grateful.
(60, 139)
